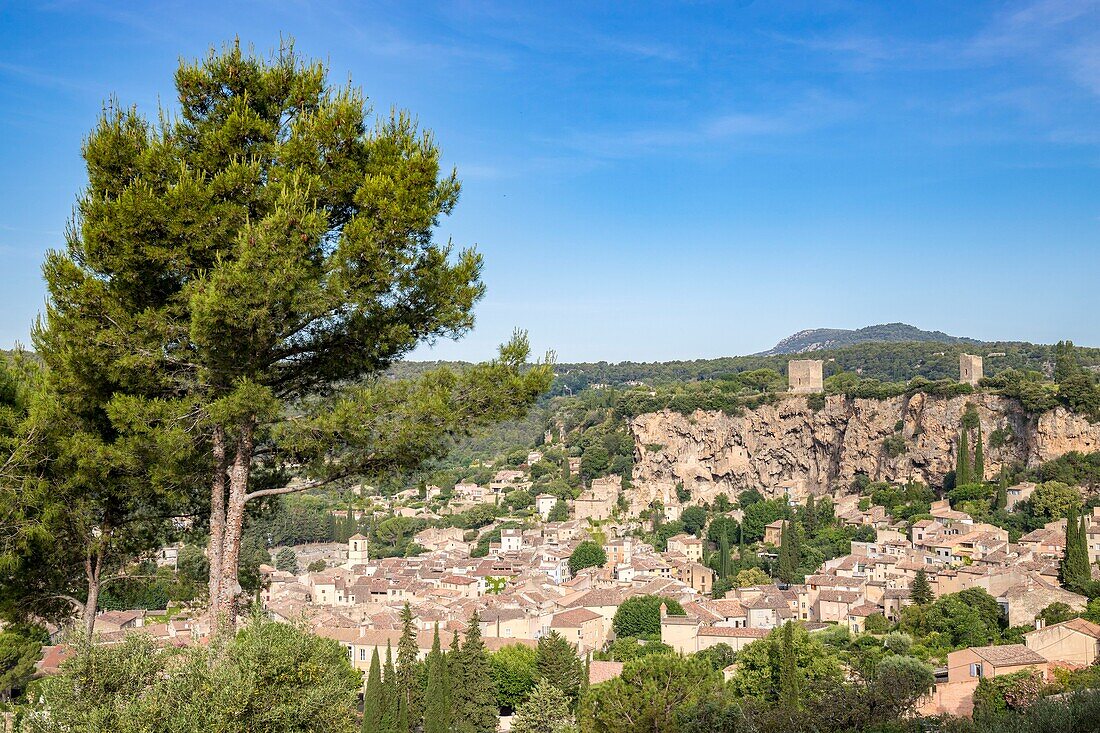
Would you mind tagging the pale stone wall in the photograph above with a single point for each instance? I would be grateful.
(804, 376)
(1060, 644)
(970, 369)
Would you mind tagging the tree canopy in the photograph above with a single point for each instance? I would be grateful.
(251, 265)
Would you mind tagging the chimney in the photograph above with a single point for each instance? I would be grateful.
(664, 611)
(1039, 623)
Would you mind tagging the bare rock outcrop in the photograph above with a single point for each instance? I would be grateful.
(823, 450)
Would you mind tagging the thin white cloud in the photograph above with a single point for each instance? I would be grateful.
(812, 111)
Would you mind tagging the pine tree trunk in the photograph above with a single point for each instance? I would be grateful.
(217, 524)
(234, 522)
(93, 566)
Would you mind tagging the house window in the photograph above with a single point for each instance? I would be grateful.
(976, 670)
(362, 654)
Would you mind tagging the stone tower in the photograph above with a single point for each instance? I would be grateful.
(970, 369)
(357, 550)
(804, 376)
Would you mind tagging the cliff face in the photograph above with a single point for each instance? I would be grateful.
(711, 452)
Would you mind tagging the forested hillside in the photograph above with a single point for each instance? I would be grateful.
(885, 361)
(816, 339)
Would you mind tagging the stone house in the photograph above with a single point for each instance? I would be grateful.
(696, 575)
(580, 626)
(687, 545)
(464, 585)
(1076, 641)
(967, 666)
(773, 533)
(544, 504)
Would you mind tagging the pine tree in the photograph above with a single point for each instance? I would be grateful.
(978, 476)
(546, 710)
(788, 669)
(266, 192)
(557, 663)
(436, 717)
(372, 697)
(408, 677)
(962, 461)
(389, 695)
(921, 590)
(475, 704)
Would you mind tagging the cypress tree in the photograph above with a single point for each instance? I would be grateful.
(809, 515)
(979, 458)
(372, 697)
(962, 461)
(921, 590)
(475, 708)
(1000, 501)
(788, 669)
(402, 723)
(723, 556)
(1076, 572)
(452, 671)
(408, 679)
(436, 718)
(789, 553)
(389, 695)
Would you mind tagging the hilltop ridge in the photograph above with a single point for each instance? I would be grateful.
(818, 339)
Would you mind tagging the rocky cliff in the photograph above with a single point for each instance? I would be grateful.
(823, 450)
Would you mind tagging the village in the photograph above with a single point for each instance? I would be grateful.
(524, 588)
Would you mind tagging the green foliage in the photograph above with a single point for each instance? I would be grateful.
(962, 459)
(694, 519)
(407, 672)
(789, 677)
(749, 577)
(559, 512)
(1056, 613)
(647, 695)
(1015, 691)
(760, 514)
(1054, 500)
(1075, 570)
(978, 473)
(760, 665)
(373, 700)
(628, 648)
(894, 446)
(557, 664)
(270, 677)
(20, 648)
(258, 260)
(718, 656)
(547, 710)
(968, 618)
(514, 672)
(437, 713)
(790, 554)
(475, 699)
(921, 589)
(640, 616)
(286, 560)
(587, 554)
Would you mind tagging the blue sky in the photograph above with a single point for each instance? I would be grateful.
(653, 181)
